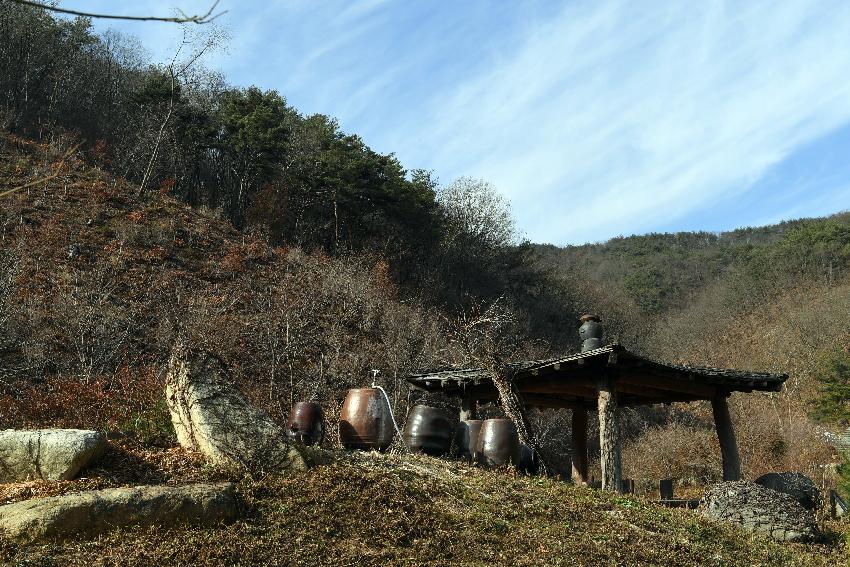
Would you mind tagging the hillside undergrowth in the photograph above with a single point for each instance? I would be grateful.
(95, 282)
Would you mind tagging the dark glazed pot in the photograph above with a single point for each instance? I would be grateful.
(590, 333)
(428, 430)
(466, 438)
(306, 423)
(365, 421)
(498, 443)
(528, 461)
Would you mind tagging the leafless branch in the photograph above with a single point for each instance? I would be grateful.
(183, 18)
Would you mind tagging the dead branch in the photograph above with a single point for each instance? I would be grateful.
(183, 18)
(478, 334)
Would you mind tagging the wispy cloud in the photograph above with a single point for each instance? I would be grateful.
(596, 118)
(613, 116)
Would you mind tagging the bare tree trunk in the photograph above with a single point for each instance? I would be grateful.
(155, 152)
(514, 409)
(174, 76)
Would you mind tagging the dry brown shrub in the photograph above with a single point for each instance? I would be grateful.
(773, 437)
(103, 402)
(234, 260)
(769, 440)
(689, 454)
(166, 185)
(100, 153)
(786, 335)
(308, 327)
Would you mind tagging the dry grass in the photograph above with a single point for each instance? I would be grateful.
(125, 463)
(688, 454)
(369, 509)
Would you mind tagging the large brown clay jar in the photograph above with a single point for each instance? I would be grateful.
(428, 430)
(498, 443)
(306, 423)
(466, 438)
(365, 421)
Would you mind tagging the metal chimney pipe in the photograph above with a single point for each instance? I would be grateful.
(590, 332)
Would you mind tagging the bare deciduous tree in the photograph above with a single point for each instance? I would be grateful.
(485, 337)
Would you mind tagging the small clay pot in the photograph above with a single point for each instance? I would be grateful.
(306, 423)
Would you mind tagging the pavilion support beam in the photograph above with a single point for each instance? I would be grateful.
(543, 401)
(726, 435)
(579, 420)
(468, 408)
(609, 435)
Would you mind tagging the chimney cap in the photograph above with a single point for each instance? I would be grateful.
(587, 317)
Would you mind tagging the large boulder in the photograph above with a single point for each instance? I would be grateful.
(85, 514)
(47, 454)
(211, 416)
(796, 485)
(760, 510)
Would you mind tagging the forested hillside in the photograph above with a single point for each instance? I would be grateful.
(142, 199)
(659, 273)
(286, 246)
(298, 180)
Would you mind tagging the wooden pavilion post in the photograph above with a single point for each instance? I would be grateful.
(579, 420)
(726, 436)
(609, 434)
(468, 408)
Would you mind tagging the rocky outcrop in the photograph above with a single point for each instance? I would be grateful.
(86, 514)
(796, 485)
(211, 416)
(47, 454)
(761, 510)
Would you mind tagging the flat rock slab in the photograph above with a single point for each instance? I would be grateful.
(47, 454)
(760, 510)
(86, 514)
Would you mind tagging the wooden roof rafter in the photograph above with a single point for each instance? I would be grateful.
(571, 379)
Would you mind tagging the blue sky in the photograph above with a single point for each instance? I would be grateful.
(594, 118)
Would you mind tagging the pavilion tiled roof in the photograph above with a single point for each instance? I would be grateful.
(566, 375)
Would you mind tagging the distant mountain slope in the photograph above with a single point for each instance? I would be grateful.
(659, 272)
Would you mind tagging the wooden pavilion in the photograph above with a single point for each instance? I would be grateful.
(603, 379)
